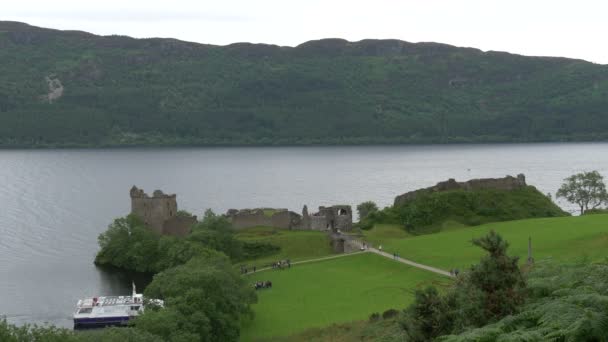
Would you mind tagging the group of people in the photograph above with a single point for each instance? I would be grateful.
(281, 264)
(245, 269)
(262, 285)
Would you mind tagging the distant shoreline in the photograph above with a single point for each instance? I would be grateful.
(77, 146)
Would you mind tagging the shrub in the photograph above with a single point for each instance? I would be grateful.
(390, 313)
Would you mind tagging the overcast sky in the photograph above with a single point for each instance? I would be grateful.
(577, 29)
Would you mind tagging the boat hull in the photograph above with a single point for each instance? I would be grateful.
(100, 322)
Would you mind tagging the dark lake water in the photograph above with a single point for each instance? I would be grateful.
(54, 203)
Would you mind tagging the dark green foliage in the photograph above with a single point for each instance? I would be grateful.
(489, 291)
(586, 189)
(596, 211)
(204, 296)
(32, 333)
(205, 300)
(117, 334)
(427, 212)
(374, 317)
(366, 208)
(428, 316)
(29, 333)
(565, 303)
(390, 313)
(123, 91)
(498, 277)
(215, 231)
(257, 249)
(130, 245)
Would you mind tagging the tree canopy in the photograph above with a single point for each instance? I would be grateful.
(489, 291)
(586, 189)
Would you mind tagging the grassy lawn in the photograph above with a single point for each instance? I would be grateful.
(295, 244)
(339, 290)
(561, 238)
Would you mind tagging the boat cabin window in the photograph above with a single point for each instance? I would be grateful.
(85, 310)
(136, 307)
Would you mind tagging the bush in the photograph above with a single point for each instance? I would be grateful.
(205, 299)
(390, 313)
(374, 317)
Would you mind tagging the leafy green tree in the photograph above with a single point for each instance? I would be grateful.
(205, 299)
(495, 286)
(427, 317)
(128, 244)
(489, 291)
(366, 208)
(215, 231)
(586, 189)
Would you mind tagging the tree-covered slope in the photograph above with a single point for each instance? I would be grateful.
(70, 88)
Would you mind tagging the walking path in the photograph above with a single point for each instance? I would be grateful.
(309, 260)
(411, 263)
(372, 250)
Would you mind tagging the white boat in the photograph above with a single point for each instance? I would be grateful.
(109, 310)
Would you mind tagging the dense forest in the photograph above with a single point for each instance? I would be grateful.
(71, 88)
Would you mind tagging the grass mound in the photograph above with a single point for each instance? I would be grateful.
(294, 244)
(435, 211)
(333, 291)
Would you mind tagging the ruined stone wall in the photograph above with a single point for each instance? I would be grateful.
(507, 183)
(153, 210)
(248, 218)
(318, 223)
(179, 226)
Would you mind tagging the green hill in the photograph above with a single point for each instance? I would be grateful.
(71, 88)
(430, 212)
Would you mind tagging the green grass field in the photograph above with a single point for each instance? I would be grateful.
(339, 290)
(295, 244)
(562, 238)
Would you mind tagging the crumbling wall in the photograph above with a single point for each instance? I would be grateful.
(248, 218)
(179, 226)
(507, 183)
(318, 223)
(337, 217)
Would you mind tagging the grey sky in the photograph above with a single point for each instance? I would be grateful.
(575, 29)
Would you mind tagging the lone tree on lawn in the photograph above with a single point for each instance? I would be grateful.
(586, 189)
(366, 208)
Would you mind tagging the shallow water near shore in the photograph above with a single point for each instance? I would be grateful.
(54, 203)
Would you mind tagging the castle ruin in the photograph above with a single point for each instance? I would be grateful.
(334, 218)
(507, 183)
(159, 212)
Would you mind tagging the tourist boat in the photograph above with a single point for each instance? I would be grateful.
(110, 310)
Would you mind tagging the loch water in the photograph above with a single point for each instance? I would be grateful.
(54, 203)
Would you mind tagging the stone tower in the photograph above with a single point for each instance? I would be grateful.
(305, 218)
(155, 211)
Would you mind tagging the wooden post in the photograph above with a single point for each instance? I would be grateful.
(530, 258)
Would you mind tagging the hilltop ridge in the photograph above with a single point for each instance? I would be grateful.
(72, 88)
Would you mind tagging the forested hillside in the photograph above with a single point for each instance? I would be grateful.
(69, 88)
